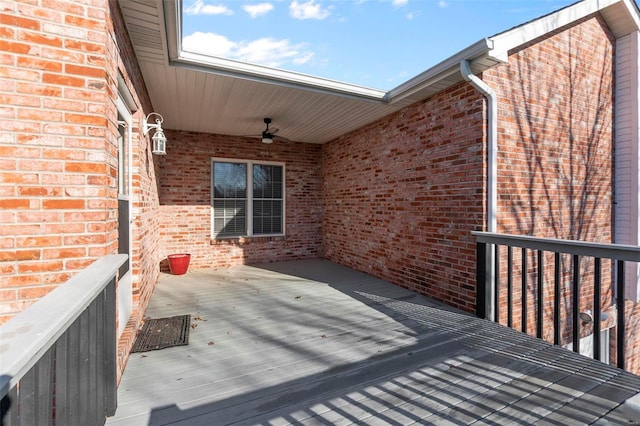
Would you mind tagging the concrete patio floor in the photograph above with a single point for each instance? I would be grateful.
(315, 343)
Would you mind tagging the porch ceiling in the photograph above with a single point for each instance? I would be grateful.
(214, 95)
(197, 93)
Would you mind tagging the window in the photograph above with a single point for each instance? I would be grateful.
(247, 199)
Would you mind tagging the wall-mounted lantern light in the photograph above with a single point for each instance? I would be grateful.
(158, 138)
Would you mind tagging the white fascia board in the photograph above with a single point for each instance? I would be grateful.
(444, 69)
(206, 63)
(525, 33)
(275, 75)
(223, 66)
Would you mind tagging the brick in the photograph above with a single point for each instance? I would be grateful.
(38, 241)
(17, 255)
(77, 21)
(15, 47)
(39, 38)
(83, 167)
(84, 46)
(85, 119)
(64, 253)
(34, 292)
(17, 21)
(22, 229)
(39, 191)
(18, 203)
(63, 204)
(40, 64)
(32, 267)
(19, 178)
(63, 80)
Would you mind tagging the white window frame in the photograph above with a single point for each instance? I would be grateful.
(249, 218)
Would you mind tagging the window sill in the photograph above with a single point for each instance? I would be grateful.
(246, 240)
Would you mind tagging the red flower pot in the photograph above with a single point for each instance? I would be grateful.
(179, 263)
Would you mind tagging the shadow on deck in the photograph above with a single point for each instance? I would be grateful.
(312, 342)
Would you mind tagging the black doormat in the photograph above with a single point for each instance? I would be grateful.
(163, 333)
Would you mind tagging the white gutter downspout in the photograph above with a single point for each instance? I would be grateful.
(492, 170)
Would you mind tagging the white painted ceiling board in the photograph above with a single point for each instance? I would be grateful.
(197, 98)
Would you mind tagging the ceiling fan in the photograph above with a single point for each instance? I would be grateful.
(269, 134)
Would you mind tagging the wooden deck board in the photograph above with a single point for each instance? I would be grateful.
(315, 343)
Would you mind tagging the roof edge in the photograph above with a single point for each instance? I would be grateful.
(205, 63)
(443, 69)
(495, 48)
(527, 32)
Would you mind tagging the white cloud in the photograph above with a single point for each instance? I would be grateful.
(255, 10)
(443, 3)
(208, 43)
(413, 14)
(264, 51)
(399, 3)
(308, 10)
(199, 8)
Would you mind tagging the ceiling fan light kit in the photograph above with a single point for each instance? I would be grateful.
(267, 137)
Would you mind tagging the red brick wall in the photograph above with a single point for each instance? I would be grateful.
(402, 195)
(57, 187)
(58, 150)
(556, 161)
(185, 194)
(556, 135)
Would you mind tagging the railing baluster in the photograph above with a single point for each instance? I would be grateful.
(562, 249)
(556, 299)
(620, 325)
(481, 280)
(510, 286)
(576, 303)
(597, 266)
(496, 290)
(524, 290)
(111, 348)
(540, 313)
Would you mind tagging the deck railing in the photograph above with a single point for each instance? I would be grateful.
(58, 357)
(489, 283)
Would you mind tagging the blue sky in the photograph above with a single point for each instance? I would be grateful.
(373, 43)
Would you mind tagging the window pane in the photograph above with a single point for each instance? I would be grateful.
(267, 217)
(229, 218)
(230, 180)
(267, 181)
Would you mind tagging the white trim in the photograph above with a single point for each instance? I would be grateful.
(124, 291)
(495, 49)
(249, 198)
(529, 31)
(627, 154)
(442, 70)
(125, 94)
(262, 73)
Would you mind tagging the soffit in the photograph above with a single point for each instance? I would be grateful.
(199, 97)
